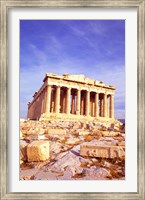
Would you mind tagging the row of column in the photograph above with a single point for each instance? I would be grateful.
(104, 107)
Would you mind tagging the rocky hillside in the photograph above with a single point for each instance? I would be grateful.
(72, 150)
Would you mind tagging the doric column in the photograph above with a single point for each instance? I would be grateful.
(48, 98)
(61, 101)
(87, 103)
(64, 102)
(82, 104)
(73, 104)
(96, 105)
(112, 106)
(91, 106)
(53, 101)
(78, 102)
(105, 105)
(68, 93)
(42, 101)
(57, 100)
(101, 107)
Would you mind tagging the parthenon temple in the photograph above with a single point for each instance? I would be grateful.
(72, 95)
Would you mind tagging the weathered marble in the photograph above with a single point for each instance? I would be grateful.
(103, 151)
(38, 151)
(72, 95)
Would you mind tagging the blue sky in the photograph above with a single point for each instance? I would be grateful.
(95, 48)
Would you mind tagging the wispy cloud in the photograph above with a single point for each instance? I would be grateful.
(94, 48)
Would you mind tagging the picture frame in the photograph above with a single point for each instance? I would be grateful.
(4, 98)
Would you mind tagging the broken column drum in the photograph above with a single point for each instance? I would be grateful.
(72, 95)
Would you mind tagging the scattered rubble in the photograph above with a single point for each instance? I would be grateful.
(23, 150)
(38, 151)
(101, 150)
(110, 133)
(72, 150)
(84, 133)
(56, 131)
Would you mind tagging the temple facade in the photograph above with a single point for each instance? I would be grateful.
(72, 95)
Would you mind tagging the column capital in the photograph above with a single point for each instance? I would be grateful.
(88, 90)
(58, 86)
(48, 85)
(111, 94)
(97, 92)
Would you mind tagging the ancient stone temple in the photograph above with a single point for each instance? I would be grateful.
(72, 96)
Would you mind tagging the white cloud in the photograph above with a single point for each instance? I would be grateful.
(54, 57)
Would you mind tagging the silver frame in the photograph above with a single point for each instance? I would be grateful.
(4, 9)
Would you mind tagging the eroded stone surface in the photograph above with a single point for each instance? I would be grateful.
(23, 151)
(103, 151)
(56, 131)
(38, 151)
(72, 141)
(97, 173)
(84, 133)
(110, 133)
(65, 161)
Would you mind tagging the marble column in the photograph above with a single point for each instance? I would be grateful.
(105, 105)
(87, 106)
(78, 102)
(91, 106)
(61, 101)
(42, 102)
(48, 98)
(101, 107)
(82, 104)
(73, 104)
(112, 106)
(68, 93)
(96, 105)
(52, 101)
(57, 100)
(64, 102)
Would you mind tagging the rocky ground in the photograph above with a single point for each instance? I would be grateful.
(72, 150)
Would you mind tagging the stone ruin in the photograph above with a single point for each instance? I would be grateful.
(71, 133)
(72, 150)
(71, 96)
